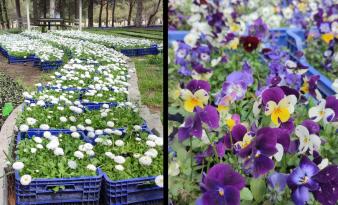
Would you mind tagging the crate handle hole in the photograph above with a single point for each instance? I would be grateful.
(57, 188)
(145, 185)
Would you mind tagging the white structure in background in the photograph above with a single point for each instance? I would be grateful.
(80, 15)
(52, 9)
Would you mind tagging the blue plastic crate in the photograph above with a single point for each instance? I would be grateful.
(153, 50)
(48, 65)
(84, 190)
(13, 59)
(132, 191)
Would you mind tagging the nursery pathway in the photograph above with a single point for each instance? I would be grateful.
(153, 119)
(23, 73)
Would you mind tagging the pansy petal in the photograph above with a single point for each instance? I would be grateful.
(238, 132)
(280, 150)
(314, 114)
(270, 107)
(301, 131)
(301, 195)
(210, 116)
(277, 181)
(309, 167)
(202, 96)
(262, 165)
(195, 85)
(284, 115)
(311, 126)
(272, 94)
(329, 115)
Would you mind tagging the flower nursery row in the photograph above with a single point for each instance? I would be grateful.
(79, 136)
(255, 128)
(116, 42)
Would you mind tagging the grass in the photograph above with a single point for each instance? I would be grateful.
(149, 71)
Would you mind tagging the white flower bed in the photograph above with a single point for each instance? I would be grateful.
(107, 40)
(20, 46)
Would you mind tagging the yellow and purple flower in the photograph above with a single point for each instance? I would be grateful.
(195, 94)
(278, 105)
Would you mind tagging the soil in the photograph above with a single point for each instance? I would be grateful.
(24, 73)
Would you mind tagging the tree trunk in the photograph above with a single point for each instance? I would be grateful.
(18, 12)
(139, 9)
(35, 11)
(100, 14)
(76, 9)
(1, 18)
(5, 13)
(131, 5)
(151, 17)
(107, 13)
(90, 13)
(113, 13)
(44, 8)
(52, 8)
(61, 7)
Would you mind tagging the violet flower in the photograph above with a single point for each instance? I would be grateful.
(257, 154)
(221, 185)
(277, 181)
(258, 29)
(332, 102)
(236, 84)
(193, 125)
(310, 85)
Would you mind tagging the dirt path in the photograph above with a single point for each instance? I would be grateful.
(23, 73)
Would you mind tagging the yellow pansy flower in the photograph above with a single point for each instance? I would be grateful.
(302, 7)
(305, 87)
(233, 44)
(327, 37)
(281, 111)
(199, 98)
(245, 142)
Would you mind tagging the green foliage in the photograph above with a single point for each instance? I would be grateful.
(258, 189)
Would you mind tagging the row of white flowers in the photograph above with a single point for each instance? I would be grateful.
(108, 40)
(20, 46)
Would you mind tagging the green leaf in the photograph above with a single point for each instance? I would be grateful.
(7, 109)
(258, 189)
(246, 194)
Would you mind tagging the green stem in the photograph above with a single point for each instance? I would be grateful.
(214, 148)
(191, 155)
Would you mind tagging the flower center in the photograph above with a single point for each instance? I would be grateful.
(304, 180)
(221, 191)
(249, 45)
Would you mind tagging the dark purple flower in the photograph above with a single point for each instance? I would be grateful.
(195, 85)
(327, 178)
(199, 68)
(277, 181)
(193, 125)
(257, 153)
(258, 29)
(312, 126)
(221, 185)
(283, 137)
(332, 102)
(310, 85)
(216, 21)
(250, 43)
(289, 126)
(275, 94)
(237, 134)
(301, 182)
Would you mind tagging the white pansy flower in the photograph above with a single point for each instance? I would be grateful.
(63, 119)
(33, 150)
(26, 179)
(145, 160)
(119, 167)
(91, 167)
(110, 155)
(18, 166)
(307, 141)
(39, 146)
(44, 127)
(47, 134)
(37, 140)
(137, 155)
(110, 124)
(320, 112)
(78, 154)
(88, 121)
(23, 128)
(73, 128)
(151, 153)
(324, 163)
(58, 151)
(137, 127)
(30, 121)
(151, 143)
(119, 159)
(159, 181)
(75, 135)
(280, 150)
(119, 143)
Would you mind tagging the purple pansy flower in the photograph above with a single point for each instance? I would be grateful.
(221, 185)
(327, 179)
(257, 154)
(193, 125)
(332, 102)
(311, 126)
(301, 182)
(195, 85)
(258, 29)
(277, 181)
(236, 84)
